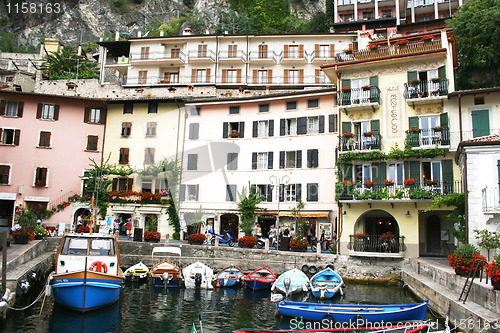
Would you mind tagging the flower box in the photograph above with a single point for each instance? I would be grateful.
(410, 181)
(436, 79)
(414, 130)
(349, 50)
(414, 82)
(430, 182)
(427, 39)
(361, 235)
(366, 88)
(347, 135)
(437, 129)
(345, 89)
(234, 135)
(388, 236)
(368, 134)
(247, 242)
(197, 239)
(373, 47)
(152, 236)
(388, 182)
(347, 183)
(402, 42)
(370, 183)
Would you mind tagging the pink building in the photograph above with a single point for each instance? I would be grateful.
(45, 145)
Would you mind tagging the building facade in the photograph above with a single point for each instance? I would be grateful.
(278, 146)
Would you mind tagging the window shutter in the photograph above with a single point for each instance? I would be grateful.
(282, 192)
(208, 78)
(255, 129)
(255, 76)
(254, 161)
(442, 71)
(39, 111)
(332, 50)
(347, 171)
(301, 76)
(269, 193)
(312, 192)
(345, 83)
(412, 75)
(317, 73)
(374, 81)
(225, 128)
(315, 158)
(270, 76)
(346, 126)
(253, 189)
(375, 125)
(20, 108)
(413, 122)
(332, 123)
(115, 184)
(316, 50)
(286, 51)
(3, 104)
(445, 134)
(415, 170)
(130, 183)
(229, 195)
(86, 115)
(242, 129)
(193, 75)
(224, 80)
(271, 127)
(480, 123)
(379, 172)
(309, 158)
(443, 120)
(301, 125)
(282, 127)
(182, 193)
(322, 124)
(448, 176)
(17, 134)
(407, 169)
(56, 112)
(299, 158)
(299, 192)
(282, 159)
(285, 76)
(229, 161)
(270, 160)
(238, 75)
(301, 50)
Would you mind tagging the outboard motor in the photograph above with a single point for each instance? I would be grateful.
(164, 278)
(197, 280)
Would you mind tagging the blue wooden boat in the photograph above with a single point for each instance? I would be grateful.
(87, 272)
(291, 282)
(229, 277)
(261, 278)
(326, 283)
(165, 273)
(403, 328)
(352, 313)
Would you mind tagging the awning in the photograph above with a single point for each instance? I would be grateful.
(287, 214)
(149, 210)
(7, 196)
(123, 209)
(38, 199)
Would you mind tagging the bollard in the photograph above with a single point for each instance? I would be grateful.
(216, 241)
(318, 248)
(266, 244)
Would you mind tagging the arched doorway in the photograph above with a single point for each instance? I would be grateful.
(85, 213)
(229, 222)
(376, 231)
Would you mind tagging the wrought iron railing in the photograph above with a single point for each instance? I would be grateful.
(359, 96)
(158, 56)
(377, 243)
(416, 137)
(361, 142)
(424, 89)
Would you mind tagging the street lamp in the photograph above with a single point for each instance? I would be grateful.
(279, 181)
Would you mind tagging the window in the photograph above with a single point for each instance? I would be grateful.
(312, 192)
(291, 159)
(146, 185)
(160, 185)
(233, 129)
(480, 123)
(289, 192)
(230, 192)
(232, 161)
(10, 136)
(149, 156)
(291, 105)
(312, 125)
(323, 51)
(291, 126)
(428, 136)
(151, 129)
(202, 50)
(126, 129)
(362, 173)
(312, 103)
(263, 51)
(263, 129)
(201, 76)
(143, 77)
(4, 174)
(293, 51)
(312, 158)
(263, 191)
(332, 123)
(396, 173)
(194, 131)
(232, 51)
(234, 110)
(41, 177)
(479, 100)
(124, 153)
(293, 76)
(128, 108)
(145, 52)
(358, 129)
(358, 95)
(194, 111)
(232, 76)
(92, 142)
(322, 78)
(11, 108)
(170, 77)
(386, 13)
(368, 15)
(122, 184)
(175, 53)
(153, 107)
(93, 116)
(47, 111)
(264, 108)
(188, 193)
(44, 140)
(431, 171)
(262, 77)
(262, 159)
(192, 162)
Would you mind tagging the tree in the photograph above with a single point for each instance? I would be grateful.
(477, 31)
(300, 221)
(68, 65)
(247, 205)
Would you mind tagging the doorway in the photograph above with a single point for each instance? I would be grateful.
(433, 235)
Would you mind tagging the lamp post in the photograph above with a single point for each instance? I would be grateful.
(279, 181)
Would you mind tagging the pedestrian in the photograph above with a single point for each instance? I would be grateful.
(128, 226)
(322, 239)
(286, 233)
(116, 226)
(292, 233)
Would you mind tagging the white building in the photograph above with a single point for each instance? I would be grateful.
(282, 146)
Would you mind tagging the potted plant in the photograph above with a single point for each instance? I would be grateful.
(409, 181)
(347, 182)
(402, 42)
(349, 50)
(360, 235)
(463, 258)
(388, 182)
(388, 236)
(437, 129)
(368, 134)
(247, 241)
(345, 89)
(298, 244)
(40, 232)
(414, 130)
(431, 182)
(153, 236)
(493, 271)
(427, 39)
(366, 87)
(347, 135)
(414, 82)
(234, 134)
(369, 183)
(373, 47)
(22, 236)
(436, 79)
(197, 239)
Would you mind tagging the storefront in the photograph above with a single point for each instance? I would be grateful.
(7, 202)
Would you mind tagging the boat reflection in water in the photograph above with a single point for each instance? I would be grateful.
(104, 320)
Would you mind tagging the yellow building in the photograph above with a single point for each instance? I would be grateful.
(144, 139)
(395, 152)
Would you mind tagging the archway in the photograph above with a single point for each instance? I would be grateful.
(85, 213)
(229, 222)
(376, 231)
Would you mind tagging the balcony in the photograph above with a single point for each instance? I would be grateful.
(264, 58)
(297, 57)
(425, 92)
(376, 246)
(420, 190)
(232, 56)
(321, 57)
(359, 99)
(205, 56)
(150, 58)
(299, 80)
(491, 200)
(382, 51)
(361, 143)
(428, 138)
(160, 80)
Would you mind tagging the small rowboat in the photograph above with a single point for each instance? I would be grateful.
(261, 278)
(358, 314)
(291, 282)
(407, 328)
(229, 276)
(165, 273)
(326, 283)
(198, 276)
(138, 272)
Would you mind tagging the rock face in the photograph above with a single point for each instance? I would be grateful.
(89, 20)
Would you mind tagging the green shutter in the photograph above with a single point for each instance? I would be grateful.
(443, 119)
(447, 167)
(407, 169)
(413, 137)
(346, 126)
(498, 168)
(445, 132)
(413, 122)
(379, 172)
(415, 170)
(480, 123)
(412, 75)
(375, 125)
(345, 83)
(442, 71)
(374, 81)
(347, 170)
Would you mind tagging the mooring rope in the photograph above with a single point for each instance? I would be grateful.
(33, 303)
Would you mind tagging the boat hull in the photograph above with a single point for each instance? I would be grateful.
(228, 282)
(411, 328)
(354, 313)
(172, 283)
(258, 285)
(326, 284)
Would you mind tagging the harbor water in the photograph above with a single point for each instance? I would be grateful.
(143, 308)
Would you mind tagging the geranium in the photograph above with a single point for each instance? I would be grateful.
(387, 236)
(197, 238)
(430, 182)
(368, 134)
(373, 47)
(347, 182)
(347, 135)
(361, 235)
(414, 82)
(367, 87)
(388, 182)
(247, 241)
(346, 88)
(409, 181)
(234, 135)
(437, 129)
(464, 257)
(82, 229)
(349, 50)
(153, 235)
(370, 183)
(402, 42)
(493, 269)
(23, 233)
(427, 38)
(436, 79)
(298, 243)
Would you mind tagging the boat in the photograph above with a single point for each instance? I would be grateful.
(165, 273)
(291, 282)
(354, 313)
(198, 276)
(87, 272)
(229, 276)
(137, 272)
(326, 284)
(403, 328)
(261, 278)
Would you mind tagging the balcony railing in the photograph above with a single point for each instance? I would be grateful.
(359, 96)
(377, 243)
(238, 55)
(428, 137)
(491, 199)
(421, 190)
(201, 55)
(425, 89)
(389, 50)
(158, 56)
(263, 56)
(361, 142)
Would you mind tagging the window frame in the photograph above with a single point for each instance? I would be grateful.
(124, 156)
(234, 109)
(3, 175)
(126, 127)
(149, 155)
(262, 160)
(48, 144)
(151, 127)
(88, 147)
(42, 176)
(289, 104)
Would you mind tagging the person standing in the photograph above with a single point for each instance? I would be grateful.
(292, 233)
(128, 225)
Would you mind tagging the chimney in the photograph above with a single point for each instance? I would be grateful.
(79, 52)
(226, 32)
(187, 32)
(207, 32)
(117, 36)
(161, 33)
(139, 33)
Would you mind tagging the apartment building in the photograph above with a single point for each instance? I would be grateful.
(395, 152)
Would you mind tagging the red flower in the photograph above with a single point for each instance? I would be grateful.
(247, 241)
